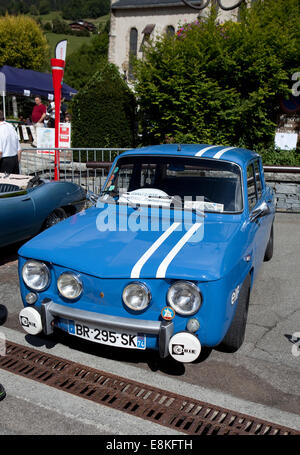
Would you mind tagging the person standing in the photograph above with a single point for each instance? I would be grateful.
(38, 115)
(10, 149)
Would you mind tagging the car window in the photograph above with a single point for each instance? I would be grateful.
(217, 183)
(258, 178)
(252, 196)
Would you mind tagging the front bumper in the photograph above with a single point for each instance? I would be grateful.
(50, 311)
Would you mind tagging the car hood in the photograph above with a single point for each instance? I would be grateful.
(78, 244)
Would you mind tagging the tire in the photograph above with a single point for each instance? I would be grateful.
(235, 335)
(55, 217)
(270, 247)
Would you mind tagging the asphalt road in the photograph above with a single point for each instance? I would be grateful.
(261, 379)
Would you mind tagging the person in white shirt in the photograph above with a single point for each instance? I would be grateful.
(10, 149)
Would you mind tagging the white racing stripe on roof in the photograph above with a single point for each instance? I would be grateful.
(161, 271)
(135, 273)
(222, 151)
(202, 151)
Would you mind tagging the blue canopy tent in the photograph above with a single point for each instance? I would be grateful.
(31, 83)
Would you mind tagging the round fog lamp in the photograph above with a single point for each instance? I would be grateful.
(193, 325)
(136, 296)
(31, 298)
(69, 285)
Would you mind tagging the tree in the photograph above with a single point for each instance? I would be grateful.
(221, 83)
(103, 112)
(44, 7)
(84, 62)
(22, 43)
(77, 9)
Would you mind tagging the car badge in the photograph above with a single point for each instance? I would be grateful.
(167, 313)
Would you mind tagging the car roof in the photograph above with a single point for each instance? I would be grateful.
(237, 155)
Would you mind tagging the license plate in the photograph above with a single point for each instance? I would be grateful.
(107, 336)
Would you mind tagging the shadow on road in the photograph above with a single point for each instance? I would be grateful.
(9, 253)
(3, 314)
(149, 357)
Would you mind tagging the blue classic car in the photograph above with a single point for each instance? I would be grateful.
(165, 260)
(25, 212)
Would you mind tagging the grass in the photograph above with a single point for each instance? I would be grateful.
(74, 42)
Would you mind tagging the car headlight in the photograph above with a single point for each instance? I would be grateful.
(36, 275)
(69, 285)
(136, 296)
(184, 297)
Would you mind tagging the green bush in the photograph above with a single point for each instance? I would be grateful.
(60, 27)
(271, 156)
(103, 112)
(221, 83)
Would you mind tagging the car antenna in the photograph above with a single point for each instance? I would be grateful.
(179, 148)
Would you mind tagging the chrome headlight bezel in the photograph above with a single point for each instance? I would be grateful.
(143, 288)
(44, 270)
(77, 281)
(193, 289)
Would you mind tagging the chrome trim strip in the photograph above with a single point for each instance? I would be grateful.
(103, 320)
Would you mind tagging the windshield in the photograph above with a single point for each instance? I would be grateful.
(189, 183)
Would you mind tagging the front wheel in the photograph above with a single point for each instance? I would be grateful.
(55, 217)
(235, 335)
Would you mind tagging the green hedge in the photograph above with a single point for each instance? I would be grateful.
(103, 112)
(273, 157)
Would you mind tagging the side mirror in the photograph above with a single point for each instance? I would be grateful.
(262, 210)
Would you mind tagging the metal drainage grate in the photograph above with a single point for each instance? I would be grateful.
(150, 403)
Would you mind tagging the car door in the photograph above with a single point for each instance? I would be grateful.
(260, 228)
(17, 215)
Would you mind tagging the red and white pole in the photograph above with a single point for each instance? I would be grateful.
(58, 67)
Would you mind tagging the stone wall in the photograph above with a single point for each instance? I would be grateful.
(287, 190)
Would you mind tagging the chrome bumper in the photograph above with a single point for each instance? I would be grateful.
(164, 329)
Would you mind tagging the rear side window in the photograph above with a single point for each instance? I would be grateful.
(258, 178)
(252, 198)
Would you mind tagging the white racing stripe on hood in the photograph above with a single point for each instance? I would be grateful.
(162, 269)
(222, 151)
(135, 273)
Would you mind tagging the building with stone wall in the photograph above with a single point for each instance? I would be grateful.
(133, 22)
